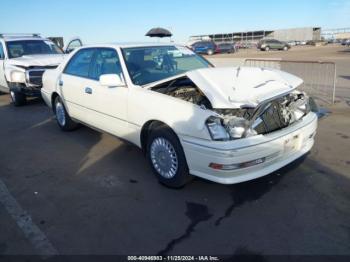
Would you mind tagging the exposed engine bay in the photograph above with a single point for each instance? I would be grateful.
(268, 117)
(183, 88)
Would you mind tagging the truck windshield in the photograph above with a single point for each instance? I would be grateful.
(151, 64)
(31, 47)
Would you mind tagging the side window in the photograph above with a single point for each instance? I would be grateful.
(106, 61)
(2, 55)
(79, 64)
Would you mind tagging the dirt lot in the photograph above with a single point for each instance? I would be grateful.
(88, 193)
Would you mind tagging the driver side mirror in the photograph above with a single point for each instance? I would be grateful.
(111, 80)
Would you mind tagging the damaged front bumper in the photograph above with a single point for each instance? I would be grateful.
(24, 89)
(230, 162)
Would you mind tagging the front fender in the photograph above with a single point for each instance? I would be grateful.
(185, 118)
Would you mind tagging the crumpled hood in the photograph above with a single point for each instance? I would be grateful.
(37, 60)
(236, 87)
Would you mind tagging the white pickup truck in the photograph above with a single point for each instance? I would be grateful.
(24, 59)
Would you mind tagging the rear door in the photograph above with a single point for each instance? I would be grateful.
(3, 83)
(279, 44)
(276, 44)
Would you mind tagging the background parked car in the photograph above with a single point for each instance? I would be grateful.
(225, 48)
(204, 47)
(272, 44)
(345, 42)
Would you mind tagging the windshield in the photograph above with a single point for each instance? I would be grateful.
(151, 64)
(31, 47)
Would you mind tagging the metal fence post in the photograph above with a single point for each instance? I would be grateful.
(334, 83)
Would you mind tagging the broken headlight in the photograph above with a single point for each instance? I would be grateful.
(216, 130)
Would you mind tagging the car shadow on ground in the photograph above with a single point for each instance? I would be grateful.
(345, 77)
(344, 51)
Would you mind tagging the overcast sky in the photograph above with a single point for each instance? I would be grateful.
(128, 20)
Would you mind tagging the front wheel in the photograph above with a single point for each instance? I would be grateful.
(210, 52)
(167, 158)
(285, 48)
(63, 119)
(267, 48)
(18, 98)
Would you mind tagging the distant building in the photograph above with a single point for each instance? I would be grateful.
(294, 34)
(338, 33)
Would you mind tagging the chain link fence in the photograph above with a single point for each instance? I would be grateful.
(319, 77)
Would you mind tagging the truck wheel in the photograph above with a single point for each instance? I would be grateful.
(18, 98)
(167, 158)
(63, 119)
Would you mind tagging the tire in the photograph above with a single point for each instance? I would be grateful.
(62, 117)
(167, 158)
(285, 48)
(18, 98)
(267, 49)
(210, 52)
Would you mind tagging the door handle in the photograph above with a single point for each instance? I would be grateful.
(60, 83)
(88, 90)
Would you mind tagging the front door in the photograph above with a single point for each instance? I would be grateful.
(72, 44)
(108, 104)
(73, 83)
(101, 107)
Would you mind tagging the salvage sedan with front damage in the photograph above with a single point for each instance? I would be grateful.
(226, 125)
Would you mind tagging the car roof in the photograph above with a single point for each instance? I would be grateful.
(17, 38)
(130, 45)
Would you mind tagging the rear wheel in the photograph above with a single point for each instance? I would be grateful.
(63, 119)
(166, 156)
(18, 98)
(285, 48)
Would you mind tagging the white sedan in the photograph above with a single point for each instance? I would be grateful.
(226, 125)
